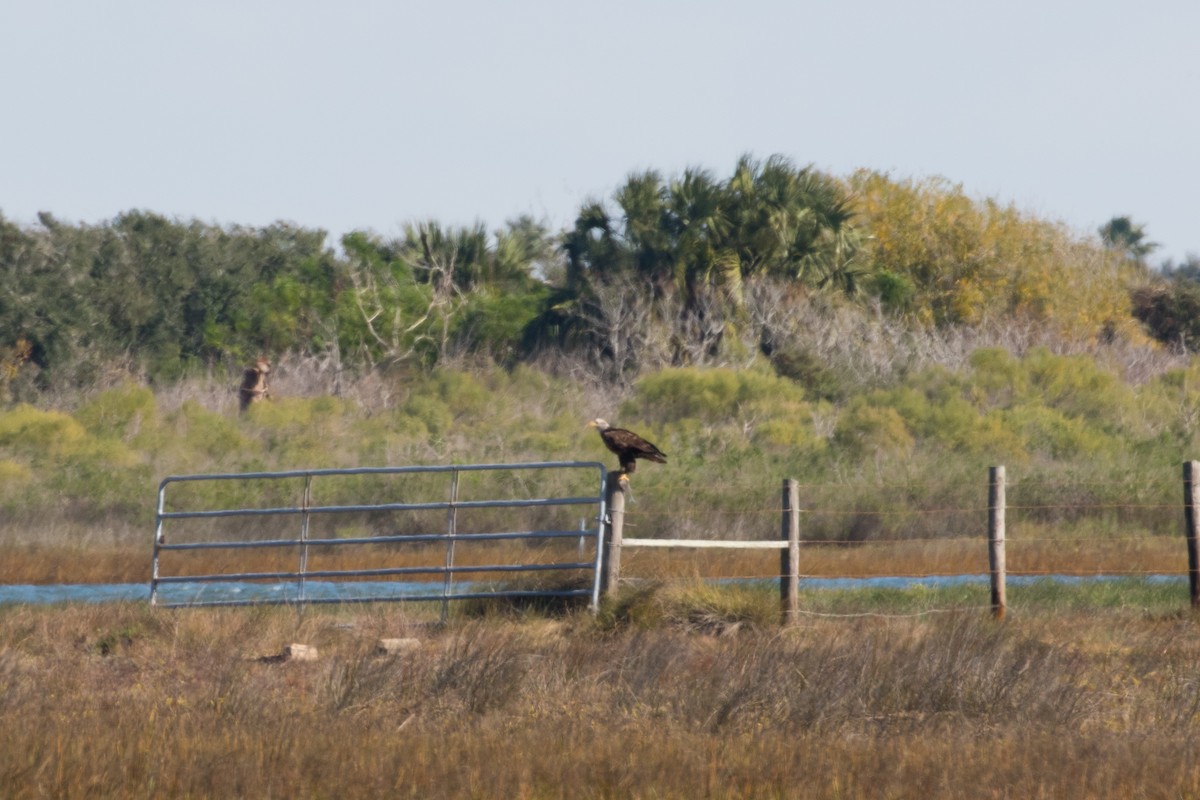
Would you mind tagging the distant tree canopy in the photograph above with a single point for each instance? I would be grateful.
(1127, 238)
(1170, 310)
(695, 231)
(160, 295)
(670, 270)
(158, 292)
(681, 251)
(1187, 270)
(944, 258)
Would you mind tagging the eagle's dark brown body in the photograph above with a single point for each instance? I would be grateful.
(628, 446)
(254, 384)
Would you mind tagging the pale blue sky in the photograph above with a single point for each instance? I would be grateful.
(367, 114)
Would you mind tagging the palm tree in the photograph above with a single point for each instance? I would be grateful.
(593, 246)
(643, 228)
(703, 256)
(698, 238)
(448, 258)
(793, 223)
(1128, 238)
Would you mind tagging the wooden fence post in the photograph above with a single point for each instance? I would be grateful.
(789, 557)
(996, 540)
(1191, 504)
(615, 502)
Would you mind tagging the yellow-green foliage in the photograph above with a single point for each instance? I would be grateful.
(1171, 406)
(31, 430)
(14, 476)
(431, 413)
(53, 436)
(462, 392)
(199, 430)
(961, 260)
(382, 440)
(445, 398)
(794, 433)
(65, 460)
(1003, 407)
(717, 394)
(702, 415)
(998, 377)
(1076, 386)
(305, 432)
(866, 429)
(119, 413)
(1054, 433)
(931, 407)
(558, 438)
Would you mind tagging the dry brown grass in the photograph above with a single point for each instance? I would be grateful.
(121, 563)
(1145, 554)
(121, 700)
(65, 563)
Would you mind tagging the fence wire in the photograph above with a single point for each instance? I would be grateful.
(1046, 536)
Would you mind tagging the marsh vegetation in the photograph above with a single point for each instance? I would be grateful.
(674, 693)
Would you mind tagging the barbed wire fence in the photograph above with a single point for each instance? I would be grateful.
(1036, 529)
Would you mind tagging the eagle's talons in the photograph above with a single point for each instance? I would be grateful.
(626, 488)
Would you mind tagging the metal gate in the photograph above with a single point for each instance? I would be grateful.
(433, 534)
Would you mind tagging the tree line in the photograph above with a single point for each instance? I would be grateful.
(671, 270)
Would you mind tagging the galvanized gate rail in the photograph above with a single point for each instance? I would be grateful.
(446, 570)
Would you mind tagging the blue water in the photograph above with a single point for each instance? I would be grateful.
(184, 593)
(320, 590)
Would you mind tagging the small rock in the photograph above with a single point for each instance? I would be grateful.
(392, 647)
(300, 652)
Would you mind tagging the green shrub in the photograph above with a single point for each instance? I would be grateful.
(1077, 386)
(535, 444)
(997, 377)
(14, 475)
(206, 432)
(1171, 312)
(430, 412)
(807, 370)
(716, 394)
(306, 432)
(995, 440)
(105, 477)
(894, 290)
(1171, 406)
(495, 321)
(954, 422)
(866, 429)
(794, 435)
(28, 429)
(463, 393)
(120, 412)
(98, 475)
(1049, 431)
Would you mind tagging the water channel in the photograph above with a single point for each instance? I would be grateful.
(349, 591)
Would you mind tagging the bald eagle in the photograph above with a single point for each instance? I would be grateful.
(628, 446)
(254, 384)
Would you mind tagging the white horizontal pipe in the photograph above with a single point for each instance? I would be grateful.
(759, 545)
